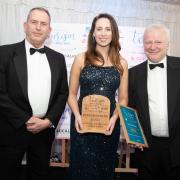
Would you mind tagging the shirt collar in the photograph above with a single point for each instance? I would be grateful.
(164, 61)
(28, 46)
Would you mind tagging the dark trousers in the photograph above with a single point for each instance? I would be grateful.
(37, 160)
(159, 165)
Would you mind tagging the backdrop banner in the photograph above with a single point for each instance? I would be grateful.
(71, 39)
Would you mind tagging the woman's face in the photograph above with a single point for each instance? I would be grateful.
(103, 32)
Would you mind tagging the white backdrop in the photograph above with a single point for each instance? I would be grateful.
(71, 39)
(131, 13)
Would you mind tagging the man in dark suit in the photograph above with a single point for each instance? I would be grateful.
(33, 94)
(154, 91)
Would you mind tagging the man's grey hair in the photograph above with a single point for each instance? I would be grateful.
(160, 27)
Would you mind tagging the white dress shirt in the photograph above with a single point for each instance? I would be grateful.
(39, 81)
(157, 95)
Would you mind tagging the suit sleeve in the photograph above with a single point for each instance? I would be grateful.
(8, 108)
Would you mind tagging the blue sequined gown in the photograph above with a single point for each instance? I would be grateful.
(92, 156)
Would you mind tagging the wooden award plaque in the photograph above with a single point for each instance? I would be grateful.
(95, 113)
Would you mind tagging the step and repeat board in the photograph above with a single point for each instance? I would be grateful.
(71, 39)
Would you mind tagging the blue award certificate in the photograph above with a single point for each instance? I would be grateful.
(131, 127)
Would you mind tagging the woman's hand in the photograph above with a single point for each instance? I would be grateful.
(111, 125)
(78, 124)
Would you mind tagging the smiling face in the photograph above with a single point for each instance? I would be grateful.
(103, 32)
(155, 44)
(37, 27)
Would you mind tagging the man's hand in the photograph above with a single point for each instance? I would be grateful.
(137, 146)
(36, 125)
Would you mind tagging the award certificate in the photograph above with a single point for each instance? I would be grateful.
(131, 127)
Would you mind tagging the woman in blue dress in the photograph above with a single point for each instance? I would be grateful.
(101, 70)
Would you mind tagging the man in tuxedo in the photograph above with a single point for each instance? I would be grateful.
(154, 91)
(33, 94)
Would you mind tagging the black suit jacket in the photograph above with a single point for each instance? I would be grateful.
(138, 99)
(15, 108)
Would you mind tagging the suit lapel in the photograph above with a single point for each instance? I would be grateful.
(20, 63)
(143, 93)
(142, 97)
(54, 71)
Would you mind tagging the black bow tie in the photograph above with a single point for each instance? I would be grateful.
(33, 50)
(152, 66)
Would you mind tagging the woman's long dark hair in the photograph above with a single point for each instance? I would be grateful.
(92, 55)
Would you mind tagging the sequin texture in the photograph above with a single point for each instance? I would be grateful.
(92, 156)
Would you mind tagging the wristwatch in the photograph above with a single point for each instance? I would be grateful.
(51, 125)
